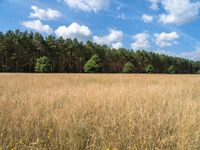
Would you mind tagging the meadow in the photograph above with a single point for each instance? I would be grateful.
(99, 112)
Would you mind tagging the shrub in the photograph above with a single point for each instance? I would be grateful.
(149, 69)
(198, 72)
(42, 64)
(171, 69)
(93, 65)
(128, 68)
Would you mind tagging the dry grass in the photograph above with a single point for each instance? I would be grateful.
(99, 112)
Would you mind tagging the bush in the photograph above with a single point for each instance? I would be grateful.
(93, 65)
(42, 64)
(171, 69)
(198, 72)
(149, 69)
(128, 68)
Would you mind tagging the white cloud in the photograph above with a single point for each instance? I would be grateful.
(42, 14)
(166, 52)
(166, 39)
(88, 5)
(179, 11)
(194, 55)
(117, 45)
(121, 16)
(37, 26)
(113, 37)
(154, 4)
(80, 32)
(147, 18)
(141, 41)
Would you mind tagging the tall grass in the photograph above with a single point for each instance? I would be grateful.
(99, 112)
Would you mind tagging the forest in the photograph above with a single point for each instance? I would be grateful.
(32, 52)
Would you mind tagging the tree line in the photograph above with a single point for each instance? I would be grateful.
(33, 52)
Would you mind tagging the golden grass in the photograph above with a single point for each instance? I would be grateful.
(99, 112)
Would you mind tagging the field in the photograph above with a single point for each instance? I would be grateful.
(99, 112)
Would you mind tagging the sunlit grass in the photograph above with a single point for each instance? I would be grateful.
(99, 112)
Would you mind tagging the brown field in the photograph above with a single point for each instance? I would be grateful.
(99, 112)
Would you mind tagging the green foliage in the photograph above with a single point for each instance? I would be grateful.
(128, 68)
(171, 69)
(198, 72)
(149, 69)
(42, 64)
(19, 52)
(93, 65)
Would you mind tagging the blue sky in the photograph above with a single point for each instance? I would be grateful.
(163, 26)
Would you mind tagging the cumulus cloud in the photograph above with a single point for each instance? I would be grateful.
(117, 45)
(179, 11)
(147, 18)
(141, 41)
(113, 37)
(37, 26)
(166, 39)
(80, 32)
(88, 5)
(48, 14)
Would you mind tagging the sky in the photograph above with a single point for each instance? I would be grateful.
(164, 26)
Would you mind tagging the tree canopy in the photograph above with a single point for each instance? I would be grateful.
(19, 52)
